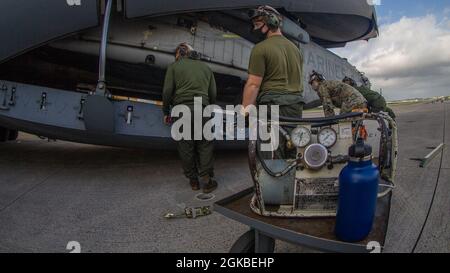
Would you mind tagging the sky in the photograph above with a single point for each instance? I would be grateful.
(411, 57)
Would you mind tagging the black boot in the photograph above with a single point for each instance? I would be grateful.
(195, 185)
(210, 186)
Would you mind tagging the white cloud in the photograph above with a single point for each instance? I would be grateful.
(411, 58)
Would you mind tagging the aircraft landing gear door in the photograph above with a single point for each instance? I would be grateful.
(98, 108)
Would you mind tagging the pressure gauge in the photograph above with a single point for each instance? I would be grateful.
(301, 136)
(327, 137)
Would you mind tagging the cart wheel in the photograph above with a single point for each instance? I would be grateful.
(245, 243)
(13, 135)
(4, 134)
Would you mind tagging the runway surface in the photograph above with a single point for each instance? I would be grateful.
(113, 200)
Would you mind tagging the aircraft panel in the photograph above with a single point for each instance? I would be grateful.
(330, 22)
(27, 24)
(140, 8)
(225, 52)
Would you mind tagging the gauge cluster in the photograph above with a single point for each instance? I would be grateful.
(316, 145)
(302, 137)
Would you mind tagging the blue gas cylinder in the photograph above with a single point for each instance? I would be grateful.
(358, 190)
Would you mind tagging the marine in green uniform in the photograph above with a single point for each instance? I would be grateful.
(275, 69)
(375, 101)
(336, 94)
(185, 79)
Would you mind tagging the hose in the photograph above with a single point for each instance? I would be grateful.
(267, 169)
(263, 163)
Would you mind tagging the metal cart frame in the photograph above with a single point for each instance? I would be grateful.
(265, 230)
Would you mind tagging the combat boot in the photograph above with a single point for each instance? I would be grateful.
(195, 184)
(210, 186)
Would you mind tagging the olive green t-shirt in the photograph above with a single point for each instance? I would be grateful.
(280, 63)
(186, 79)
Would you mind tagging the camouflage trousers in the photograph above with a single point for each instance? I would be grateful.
(353, 102)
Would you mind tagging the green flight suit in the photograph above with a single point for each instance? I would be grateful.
(375, 101)
(280, 63)
(185, 80)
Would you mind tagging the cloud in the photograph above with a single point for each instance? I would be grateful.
(411, 58)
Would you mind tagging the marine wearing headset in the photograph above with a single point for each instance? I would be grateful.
(275, 70)
(186, 79)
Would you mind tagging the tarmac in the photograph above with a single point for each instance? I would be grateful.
(113, 200)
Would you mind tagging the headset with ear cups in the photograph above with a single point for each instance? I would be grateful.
(273, 21)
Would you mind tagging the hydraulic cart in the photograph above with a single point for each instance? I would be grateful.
(295, 200)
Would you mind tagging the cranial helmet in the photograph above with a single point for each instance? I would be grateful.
(366, 82)
(316, 76)
(269, 15)
(184, 49)
(350, 81)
